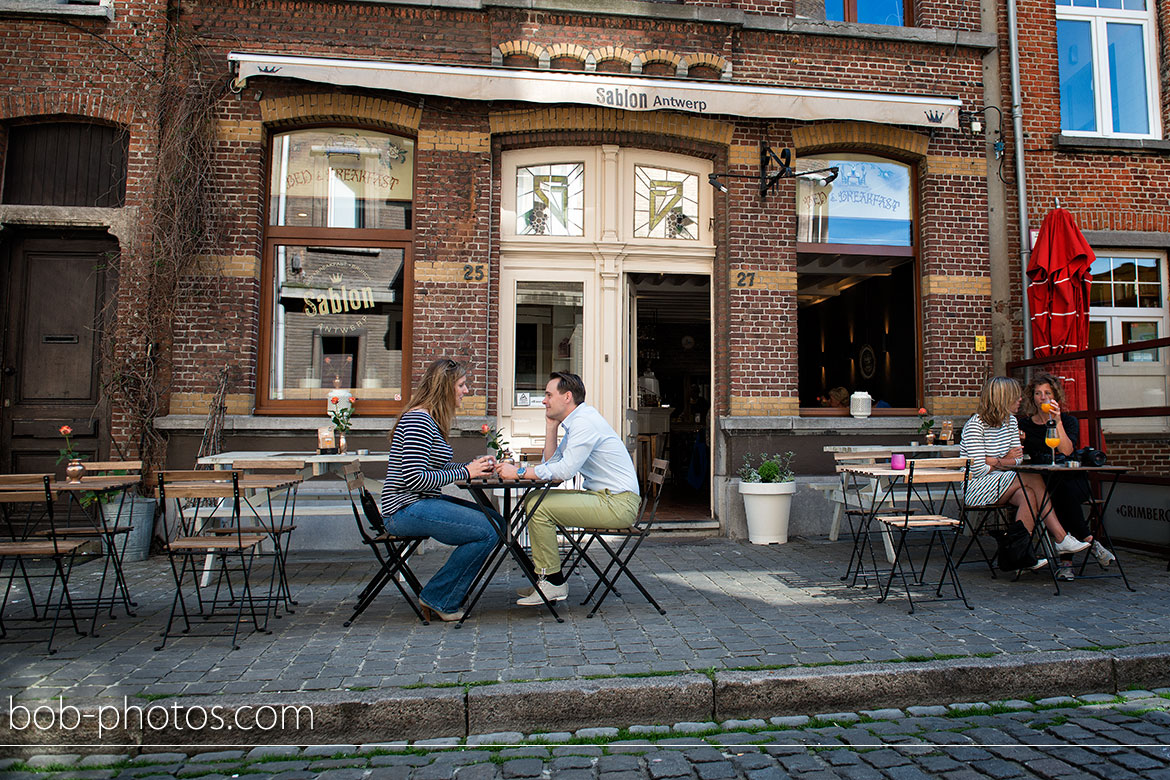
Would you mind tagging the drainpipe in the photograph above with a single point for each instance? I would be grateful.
(1021, 180)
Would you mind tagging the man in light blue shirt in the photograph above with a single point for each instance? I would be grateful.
(591, 448)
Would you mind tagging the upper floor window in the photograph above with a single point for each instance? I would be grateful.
(1107, 67)
(891, 12)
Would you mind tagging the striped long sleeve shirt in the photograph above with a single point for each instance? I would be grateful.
(419, 463)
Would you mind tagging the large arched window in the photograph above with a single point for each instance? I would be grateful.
(337, 270)
(855, 277)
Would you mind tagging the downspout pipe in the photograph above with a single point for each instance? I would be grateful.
(1021, 176)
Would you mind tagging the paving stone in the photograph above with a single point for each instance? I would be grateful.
(691, 727)
(98, 760)
(551, 736)
(1053, 700)
(884, 714)
(497, 738)
(1138, 694)
(838, 717)
(264, 751)
(356, 773)
(789, 721)
(316, 751)
(715, 770)
(571, 762)
(1098, 698)
(649, 729)
(485, 771)
(522, 767)
(925, 711)
(600, 732)
(736, 725)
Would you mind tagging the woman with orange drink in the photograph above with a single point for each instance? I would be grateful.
(1043, 418)
(991, 439)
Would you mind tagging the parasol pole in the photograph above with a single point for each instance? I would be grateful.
(1021, 180)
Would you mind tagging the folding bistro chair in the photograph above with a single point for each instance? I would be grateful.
(922, 479)
(193, 492)
(581, 539)
(33, 491)
(392, 552)
(112, 537)
(277, 476)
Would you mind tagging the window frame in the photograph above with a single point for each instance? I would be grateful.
(1115, 316)
(1098, 19)
(275, 235)
(913, 252)
(850, 14)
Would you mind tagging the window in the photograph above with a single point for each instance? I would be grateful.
(1107, 67)
(855, 276)
(890, 12)
(550, 200)
(66, 164)
(336, 270)
(1127, 303)
(666, 203)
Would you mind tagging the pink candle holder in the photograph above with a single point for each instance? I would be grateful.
(897, 461)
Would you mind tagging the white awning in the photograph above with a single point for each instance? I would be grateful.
(628, 93)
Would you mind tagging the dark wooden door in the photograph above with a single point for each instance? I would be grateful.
(54, 290)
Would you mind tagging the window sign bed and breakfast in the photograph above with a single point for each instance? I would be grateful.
(337, 254)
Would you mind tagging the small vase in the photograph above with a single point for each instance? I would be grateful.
(930, 438)
(342, 447)
(74, 471)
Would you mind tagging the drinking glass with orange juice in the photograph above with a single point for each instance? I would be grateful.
(1051, 438)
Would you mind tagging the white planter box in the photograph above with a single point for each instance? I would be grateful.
(767, 506)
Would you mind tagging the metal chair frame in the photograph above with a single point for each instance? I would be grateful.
(392, 552)
(581, 539)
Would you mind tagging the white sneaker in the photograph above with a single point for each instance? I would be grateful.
(528, 590)
(550, 591)
(1104, 557)
(1039, 564)
(1064, 572)
(1071, 544)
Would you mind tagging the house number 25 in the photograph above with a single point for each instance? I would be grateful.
(473, 273)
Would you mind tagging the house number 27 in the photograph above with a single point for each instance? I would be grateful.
(745, 279)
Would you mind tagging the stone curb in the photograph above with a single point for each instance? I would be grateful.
(570, 705)
(346, 717)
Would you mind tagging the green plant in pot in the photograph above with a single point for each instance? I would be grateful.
(767, 484)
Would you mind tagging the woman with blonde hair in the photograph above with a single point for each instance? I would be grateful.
(991, 440)
(420, 464)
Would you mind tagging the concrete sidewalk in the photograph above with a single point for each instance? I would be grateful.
(748, 631)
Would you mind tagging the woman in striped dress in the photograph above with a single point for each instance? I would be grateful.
(420, 464)
(991, 439)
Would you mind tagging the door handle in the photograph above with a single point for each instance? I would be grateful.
(9, 371)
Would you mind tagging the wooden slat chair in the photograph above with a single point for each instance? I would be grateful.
(979, 520)
(112, 536)
(277, 526)
(392, 552)
(855, 499)
(919, 488)
(582, 539)
(192, 492)
(33, 492)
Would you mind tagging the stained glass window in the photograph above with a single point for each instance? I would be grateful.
(550, 200)
(666, 203)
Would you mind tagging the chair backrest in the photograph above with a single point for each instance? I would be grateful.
(198, 484)
(655, 481)
(355, 484)
(938, 463)
(22, 481)
(269, 465)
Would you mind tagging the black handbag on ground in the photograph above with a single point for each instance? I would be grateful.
(1014, 548)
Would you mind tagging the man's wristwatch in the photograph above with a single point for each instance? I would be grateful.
(520, 471)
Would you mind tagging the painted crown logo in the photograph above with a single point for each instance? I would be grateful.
(268, 68)
(935, 117)
(337, 278)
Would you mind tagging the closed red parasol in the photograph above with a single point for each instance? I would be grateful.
(1058, 295)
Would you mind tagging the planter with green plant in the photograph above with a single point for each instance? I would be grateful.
(767, 484)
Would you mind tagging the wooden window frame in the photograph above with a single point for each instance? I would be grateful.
(323, 236)
(913, 252)
(850, 9)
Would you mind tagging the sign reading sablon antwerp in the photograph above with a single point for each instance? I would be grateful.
(629, 93)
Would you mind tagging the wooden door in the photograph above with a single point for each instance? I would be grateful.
(54, 289)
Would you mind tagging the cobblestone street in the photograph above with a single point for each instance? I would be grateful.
(1093, 736)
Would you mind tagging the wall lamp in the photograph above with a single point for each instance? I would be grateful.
(974, 120)
(769, 177)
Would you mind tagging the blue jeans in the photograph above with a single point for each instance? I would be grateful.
(450, 521)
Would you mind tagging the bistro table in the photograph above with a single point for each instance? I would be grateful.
(102, 486)
(1050, 473)
(315, 465)
(515, 520)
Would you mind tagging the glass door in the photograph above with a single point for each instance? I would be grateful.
(545, 326)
